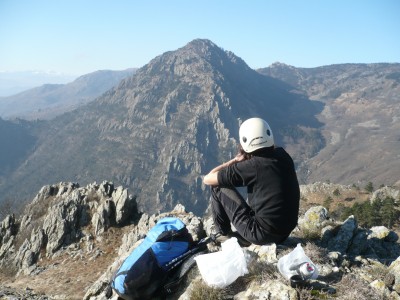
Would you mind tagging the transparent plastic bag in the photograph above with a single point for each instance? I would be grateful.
(220, 269)
(296, 263)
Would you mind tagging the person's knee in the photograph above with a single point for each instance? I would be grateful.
(264, 239)
(215, 192)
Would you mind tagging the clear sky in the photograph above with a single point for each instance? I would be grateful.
(82, 36)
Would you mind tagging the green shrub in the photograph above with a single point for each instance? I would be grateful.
(327, 202)
(380, 212)
(369, 187)
(336, 192)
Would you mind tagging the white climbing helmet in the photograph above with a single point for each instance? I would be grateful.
(254, 134)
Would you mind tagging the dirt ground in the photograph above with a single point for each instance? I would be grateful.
(70, 274)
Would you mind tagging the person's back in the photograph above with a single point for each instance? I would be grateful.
(275, 197)
(268, 172)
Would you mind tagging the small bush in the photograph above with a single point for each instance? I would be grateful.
(317, 254)
(200, 291)
(261, 271)
(369, 187)
(310, 294)
(336, 192)
(352, 287)
(327, 202)
(381, 272)
(309, 234)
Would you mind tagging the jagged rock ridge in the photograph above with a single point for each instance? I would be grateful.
(71, 239)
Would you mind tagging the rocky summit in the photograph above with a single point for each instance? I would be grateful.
(71, 239)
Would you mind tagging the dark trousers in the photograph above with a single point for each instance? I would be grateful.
(228, 206)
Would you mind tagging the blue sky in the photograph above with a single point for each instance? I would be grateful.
(81, 36)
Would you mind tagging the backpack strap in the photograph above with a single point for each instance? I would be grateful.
(183, 264)
(173, 283)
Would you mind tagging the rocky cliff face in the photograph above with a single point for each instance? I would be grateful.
(360, 117)
(71, 239)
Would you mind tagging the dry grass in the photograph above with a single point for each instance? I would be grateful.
(309, 234)
(346, 198)
(8, 272)
(260, 271)
(201, 291)
(70, 274)
(311, 294)
(352, 287)
(317, 254)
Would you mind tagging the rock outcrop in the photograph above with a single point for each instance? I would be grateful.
(94, 228)
(57, 218)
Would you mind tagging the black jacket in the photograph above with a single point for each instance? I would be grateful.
(272, 186)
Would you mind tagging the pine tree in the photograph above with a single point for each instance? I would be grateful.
(369, 187)
(389, 212)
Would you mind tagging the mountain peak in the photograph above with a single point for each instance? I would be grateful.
(199, 52)
(208, 49)
(201, 43)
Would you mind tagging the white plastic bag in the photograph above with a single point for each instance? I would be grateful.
(220, 269)
(297, 263)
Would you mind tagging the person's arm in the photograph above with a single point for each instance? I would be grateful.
(212, 177)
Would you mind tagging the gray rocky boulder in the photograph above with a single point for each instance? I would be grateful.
(394, 269)
(385, 192)
(314, 219)
(8, 231)
(341, 241)
(56, 218)
(29, 252)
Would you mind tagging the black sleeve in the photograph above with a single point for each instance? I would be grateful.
(239, 174)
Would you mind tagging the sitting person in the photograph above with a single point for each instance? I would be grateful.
(268, 172)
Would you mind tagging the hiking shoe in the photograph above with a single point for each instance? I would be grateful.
(219, 238)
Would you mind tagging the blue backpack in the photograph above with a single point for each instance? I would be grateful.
(152, 265)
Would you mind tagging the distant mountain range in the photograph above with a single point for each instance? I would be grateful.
(50, 100)
(159, 130)
(361, 118)
(12, 83)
